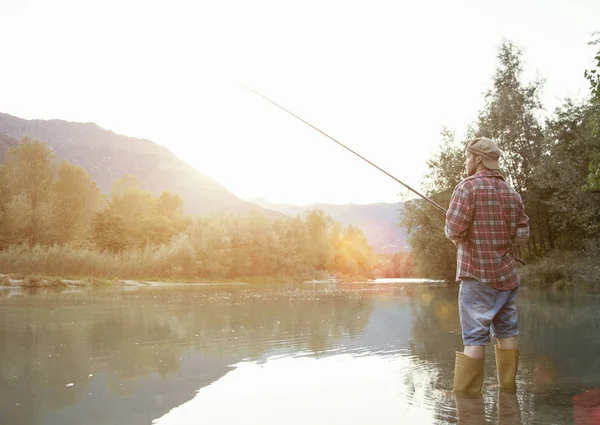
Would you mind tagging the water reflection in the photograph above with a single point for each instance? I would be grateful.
(324, 354)
(114, 346)
(340, 389)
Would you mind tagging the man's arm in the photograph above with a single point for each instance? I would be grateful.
(459, 216)
(522, 233)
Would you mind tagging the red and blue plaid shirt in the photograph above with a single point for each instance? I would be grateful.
(484, 217)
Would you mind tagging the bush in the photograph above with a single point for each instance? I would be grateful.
(565, 271)
(42, 282)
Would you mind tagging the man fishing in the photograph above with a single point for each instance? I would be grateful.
(485, 218)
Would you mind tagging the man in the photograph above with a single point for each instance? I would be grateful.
(485, 218)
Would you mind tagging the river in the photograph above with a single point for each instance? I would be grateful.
(380, 353)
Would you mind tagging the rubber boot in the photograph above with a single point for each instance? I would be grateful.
(468, 374)
(507, 362)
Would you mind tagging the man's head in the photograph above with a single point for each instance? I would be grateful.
(482, 154)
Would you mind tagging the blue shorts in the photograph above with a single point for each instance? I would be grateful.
(482, 309)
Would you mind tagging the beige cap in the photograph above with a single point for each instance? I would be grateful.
(488, 150)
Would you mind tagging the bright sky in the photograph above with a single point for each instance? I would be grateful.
(381, 77)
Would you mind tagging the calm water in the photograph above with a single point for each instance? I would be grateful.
(305, 354)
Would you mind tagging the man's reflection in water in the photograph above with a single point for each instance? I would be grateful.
(508, 409)
(471, 409)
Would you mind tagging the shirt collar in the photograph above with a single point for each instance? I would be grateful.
(486, 173)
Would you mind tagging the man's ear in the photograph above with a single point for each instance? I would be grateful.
(477, 159)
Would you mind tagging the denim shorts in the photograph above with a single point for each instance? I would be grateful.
(483, 308)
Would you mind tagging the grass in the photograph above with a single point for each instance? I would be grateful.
(165, 261)
(564, 272)
(88, 266)
(36, 281)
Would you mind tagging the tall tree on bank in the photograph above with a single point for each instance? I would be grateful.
(27, 176)
(593, 76)
(76, 199)
(509, 117)
(563, 175)
(434, 255)
(570, 168)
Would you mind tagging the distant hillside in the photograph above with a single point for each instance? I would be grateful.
(6, 143)
(108, 156)
(379, 222)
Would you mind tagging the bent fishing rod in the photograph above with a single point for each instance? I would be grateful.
(435, 204)
(432, 202)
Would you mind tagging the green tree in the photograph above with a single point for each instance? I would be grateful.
(170, 205)
(509, 117)
(433, 254)
(563, 175)
(320, 251)
(212, 243)
(593, 76)
(76, 199)
(108, 231)
(28, 173)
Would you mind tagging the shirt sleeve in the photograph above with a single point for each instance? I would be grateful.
(459, 216)
(523, 231)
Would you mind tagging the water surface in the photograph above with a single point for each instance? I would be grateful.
(379, 353)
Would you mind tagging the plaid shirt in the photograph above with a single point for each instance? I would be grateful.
(484, 216)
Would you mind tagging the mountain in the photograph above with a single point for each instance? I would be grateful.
(6, 143)
(108, 156)
(379, 222)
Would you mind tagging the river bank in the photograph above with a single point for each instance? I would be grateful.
(559, 271)
(41, 281)
(564, 272)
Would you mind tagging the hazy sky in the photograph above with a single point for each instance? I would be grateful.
(382, 77)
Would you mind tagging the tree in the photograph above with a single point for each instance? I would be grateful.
(28, 173)
(593, 76)
(108, 231)
(447, 167)
(318, 224)
(433, 254)
(76, 198)
(563, 175)
(170, 205)
(212, 245)
(569, 172)
(509, 117)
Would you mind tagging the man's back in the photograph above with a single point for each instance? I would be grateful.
(484, 217)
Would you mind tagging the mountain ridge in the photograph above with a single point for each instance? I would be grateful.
(108, 156)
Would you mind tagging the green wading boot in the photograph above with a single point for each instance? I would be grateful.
(507, 362)
(468, 375)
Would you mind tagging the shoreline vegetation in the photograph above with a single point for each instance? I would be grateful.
(563, 272)
(55, 222)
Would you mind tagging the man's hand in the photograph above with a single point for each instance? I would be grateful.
(520, 241)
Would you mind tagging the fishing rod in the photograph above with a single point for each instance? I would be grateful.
(435, 204)
(432, 202)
